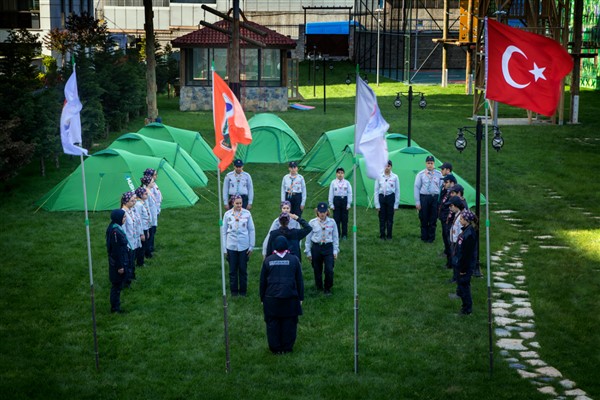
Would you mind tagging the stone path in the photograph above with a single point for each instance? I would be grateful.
(514, 318)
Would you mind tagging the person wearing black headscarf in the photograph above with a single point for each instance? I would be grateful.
(281, 293)
(118, 257)
(293, 236)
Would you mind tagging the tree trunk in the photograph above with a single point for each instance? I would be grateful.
(42, 166)
(56, 161)
(150, 62)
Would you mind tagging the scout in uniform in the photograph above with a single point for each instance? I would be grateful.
(340, 200)
(293, 189)
(322, 247)
(238, 182)
(386, 199)
(427, 192)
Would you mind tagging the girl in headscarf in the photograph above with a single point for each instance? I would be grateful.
(238, 237)
(143, 212)
(293, 236)
(118, 257)
(158, 198)
(133, 232)
(148, 183)
(285, 207)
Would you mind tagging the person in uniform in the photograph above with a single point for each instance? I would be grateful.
(443, 215)
(148, 184)
(465, 259)
(293, 236)
(238, 182)
(158, 199)
(281, 294)
(427, 192)
(386, 199)
(456, 206)
(118, 257)
(132, 230)
(237, 235)
(340, 201)
(293, 224)
(143, 212)
(322, 247)
(293, 189)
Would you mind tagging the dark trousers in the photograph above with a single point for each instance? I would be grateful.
(130, 270)
(295, 200)
(340, 214)
(115, 295)
(281, 333)
(428, 216)
(447, 245)
(463, 290)
(144, 248)
(152, 233)
(238, 266)
(386, 215)
(322, 256)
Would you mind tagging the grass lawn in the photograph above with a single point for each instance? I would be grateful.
(412, 343)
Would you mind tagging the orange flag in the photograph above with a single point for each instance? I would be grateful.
(231, 125)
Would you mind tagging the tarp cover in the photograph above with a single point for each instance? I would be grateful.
(190, 141)
(273, 141)
(179, 159)
(108, 174)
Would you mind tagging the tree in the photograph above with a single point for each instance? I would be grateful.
(150, 61)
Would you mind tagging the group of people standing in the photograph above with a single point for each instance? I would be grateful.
(130, 235)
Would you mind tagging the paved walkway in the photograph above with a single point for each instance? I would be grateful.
(515, 320)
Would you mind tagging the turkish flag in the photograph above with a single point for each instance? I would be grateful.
(524, 69)
(231, 125)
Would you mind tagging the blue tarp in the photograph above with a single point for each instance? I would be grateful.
(329, 28)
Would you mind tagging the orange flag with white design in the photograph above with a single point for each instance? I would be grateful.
(231, 125)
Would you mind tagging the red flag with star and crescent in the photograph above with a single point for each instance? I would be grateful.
(524, 69)
(231, 125)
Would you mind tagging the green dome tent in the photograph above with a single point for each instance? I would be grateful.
(407, 163)
(108, 174)
(328, 150)
(273, 141)
(179, 159)
(190, 141)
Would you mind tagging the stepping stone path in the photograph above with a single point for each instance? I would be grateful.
(515, 319)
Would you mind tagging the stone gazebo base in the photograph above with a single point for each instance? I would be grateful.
(255, 99)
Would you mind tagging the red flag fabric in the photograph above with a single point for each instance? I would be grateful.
(524, 69)
(231, 125)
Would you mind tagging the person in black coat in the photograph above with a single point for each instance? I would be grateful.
(118, 257)
(293, 236)
(465, 259)
(281, 293)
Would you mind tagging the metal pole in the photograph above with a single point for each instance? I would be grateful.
(315, 73)
(354, 229)
(410, 99)
(479, 137)
(225, 319)
(89, 249)
(378, 30)
(487, 246)
(324, 89)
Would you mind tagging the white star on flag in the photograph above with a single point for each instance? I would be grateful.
(538, 72)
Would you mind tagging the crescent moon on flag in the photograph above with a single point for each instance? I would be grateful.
(506, 56)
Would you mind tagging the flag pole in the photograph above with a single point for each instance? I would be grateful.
(354, 230)
(89, 250)
(225, 319)
(487, 244)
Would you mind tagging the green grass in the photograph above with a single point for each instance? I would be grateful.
(412, 346)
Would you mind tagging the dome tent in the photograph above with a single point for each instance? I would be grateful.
(179, 159)
(190, 141)
(273, 141)
(108, 174)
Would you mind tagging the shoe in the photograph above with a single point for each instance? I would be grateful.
(463, 312)
(453, 296)
(118, 311)
(242, 294)
(389, 238)
(477, 274)
(327, 293)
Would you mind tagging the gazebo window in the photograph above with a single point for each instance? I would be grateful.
(271, 67)
(200, 64)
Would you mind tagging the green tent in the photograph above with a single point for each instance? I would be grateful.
(179, 159)
(328, 150)
(190, 141)
(108, 174)
(407, 162)
(273, 141)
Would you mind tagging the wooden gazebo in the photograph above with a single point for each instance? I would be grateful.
(263, 70)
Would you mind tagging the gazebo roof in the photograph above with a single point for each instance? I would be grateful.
(207, 37)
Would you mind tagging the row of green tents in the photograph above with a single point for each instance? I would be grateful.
(181, 156)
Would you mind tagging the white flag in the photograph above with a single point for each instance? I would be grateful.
(70, 121)
(369, 134)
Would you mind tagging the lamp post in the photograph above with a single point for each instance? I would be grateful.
(330, 67)
(461, 143)
(316, 68)
(378, 30)
(410, 97)
(311, 56)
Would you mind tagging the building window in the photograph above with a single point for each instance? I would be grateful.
(271, 67)
(200, 62)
